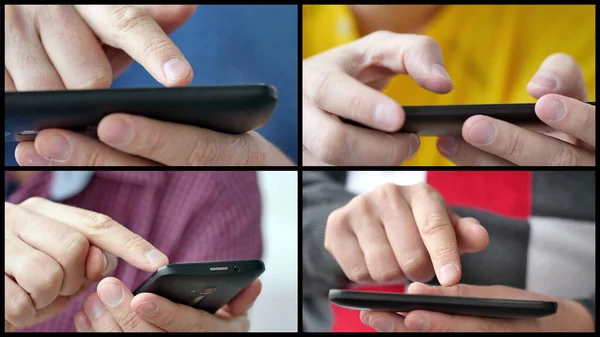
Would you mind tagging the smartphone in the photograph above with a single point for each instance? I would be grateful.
(207, 285)
(447, 120)
(466, 306)
(227, 109)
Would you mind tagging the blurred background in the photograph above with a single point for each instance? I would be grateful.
(237, 44)
(276, 309)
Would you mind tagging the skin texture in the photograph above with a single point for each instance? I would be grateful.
(113, 308)
(570, 317)
(63, 47)
(55, 252)
(398, 232)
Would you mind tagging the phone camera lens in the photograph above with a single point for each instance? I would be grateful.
(236, 269)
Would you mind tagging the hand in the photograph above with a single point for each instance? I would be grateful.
(126, 140)
(58, 47)
(114, 309)
(55, 252)
(345, 82)
(401, 231)
(560, 87)
(571, 316)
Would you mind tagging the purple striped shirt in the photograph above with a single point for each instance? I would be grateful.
(189, 216)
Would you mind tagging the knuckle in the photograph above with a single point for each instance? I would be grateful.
(155, 46)
(444, 252)
(205, 152)
(169, 323)
(98, 222)
(385, 276)
(99, 80)
(360, 205)
(196, 327)
(433, 224)
(126, 18)
(515, 146)
(41, 275)
(358, 273)
(332, 147)
(319, 87)
(77, 246)
(387, 193)
(247, 152)
(415, 265)
(130, 322)
(379, 35)
(338, 218)
(356, 102)
(425, 41)
(33, 201)
(19, 309)
(566, 156)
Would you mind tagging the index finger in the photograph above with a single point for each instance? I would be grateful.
(103, 232)
(338, 90)
(131, 29)
(431, 215)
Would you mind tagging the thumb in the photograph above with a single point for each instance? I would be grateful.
(99, 264)
(174, 317)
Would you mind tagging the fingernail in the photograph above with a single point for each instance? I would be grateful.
(147, 309)
(110, 294)
(382, 324)
(555, 111)
(448, 273)
(118, 132)
(385, 116)
(94, 308)
(440, 70)
(419, 324)
(176, 69)
(32, 158)
(83, 324)
(448, 146)
(545, 79)
(155, 257)
(483, 132)
(57, 148)
(413, 146)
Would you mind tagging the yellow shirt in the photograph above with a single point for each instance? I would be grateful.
(490, 51)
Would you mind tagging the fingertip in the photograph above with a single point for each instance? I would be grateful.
(177, 72)
(27, 155)
(417, 287)
(449, 274)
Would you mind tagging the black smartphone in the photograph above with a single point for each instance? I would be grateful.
(447, 120)
(466, 306)
(227, 109)
(207, 285)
